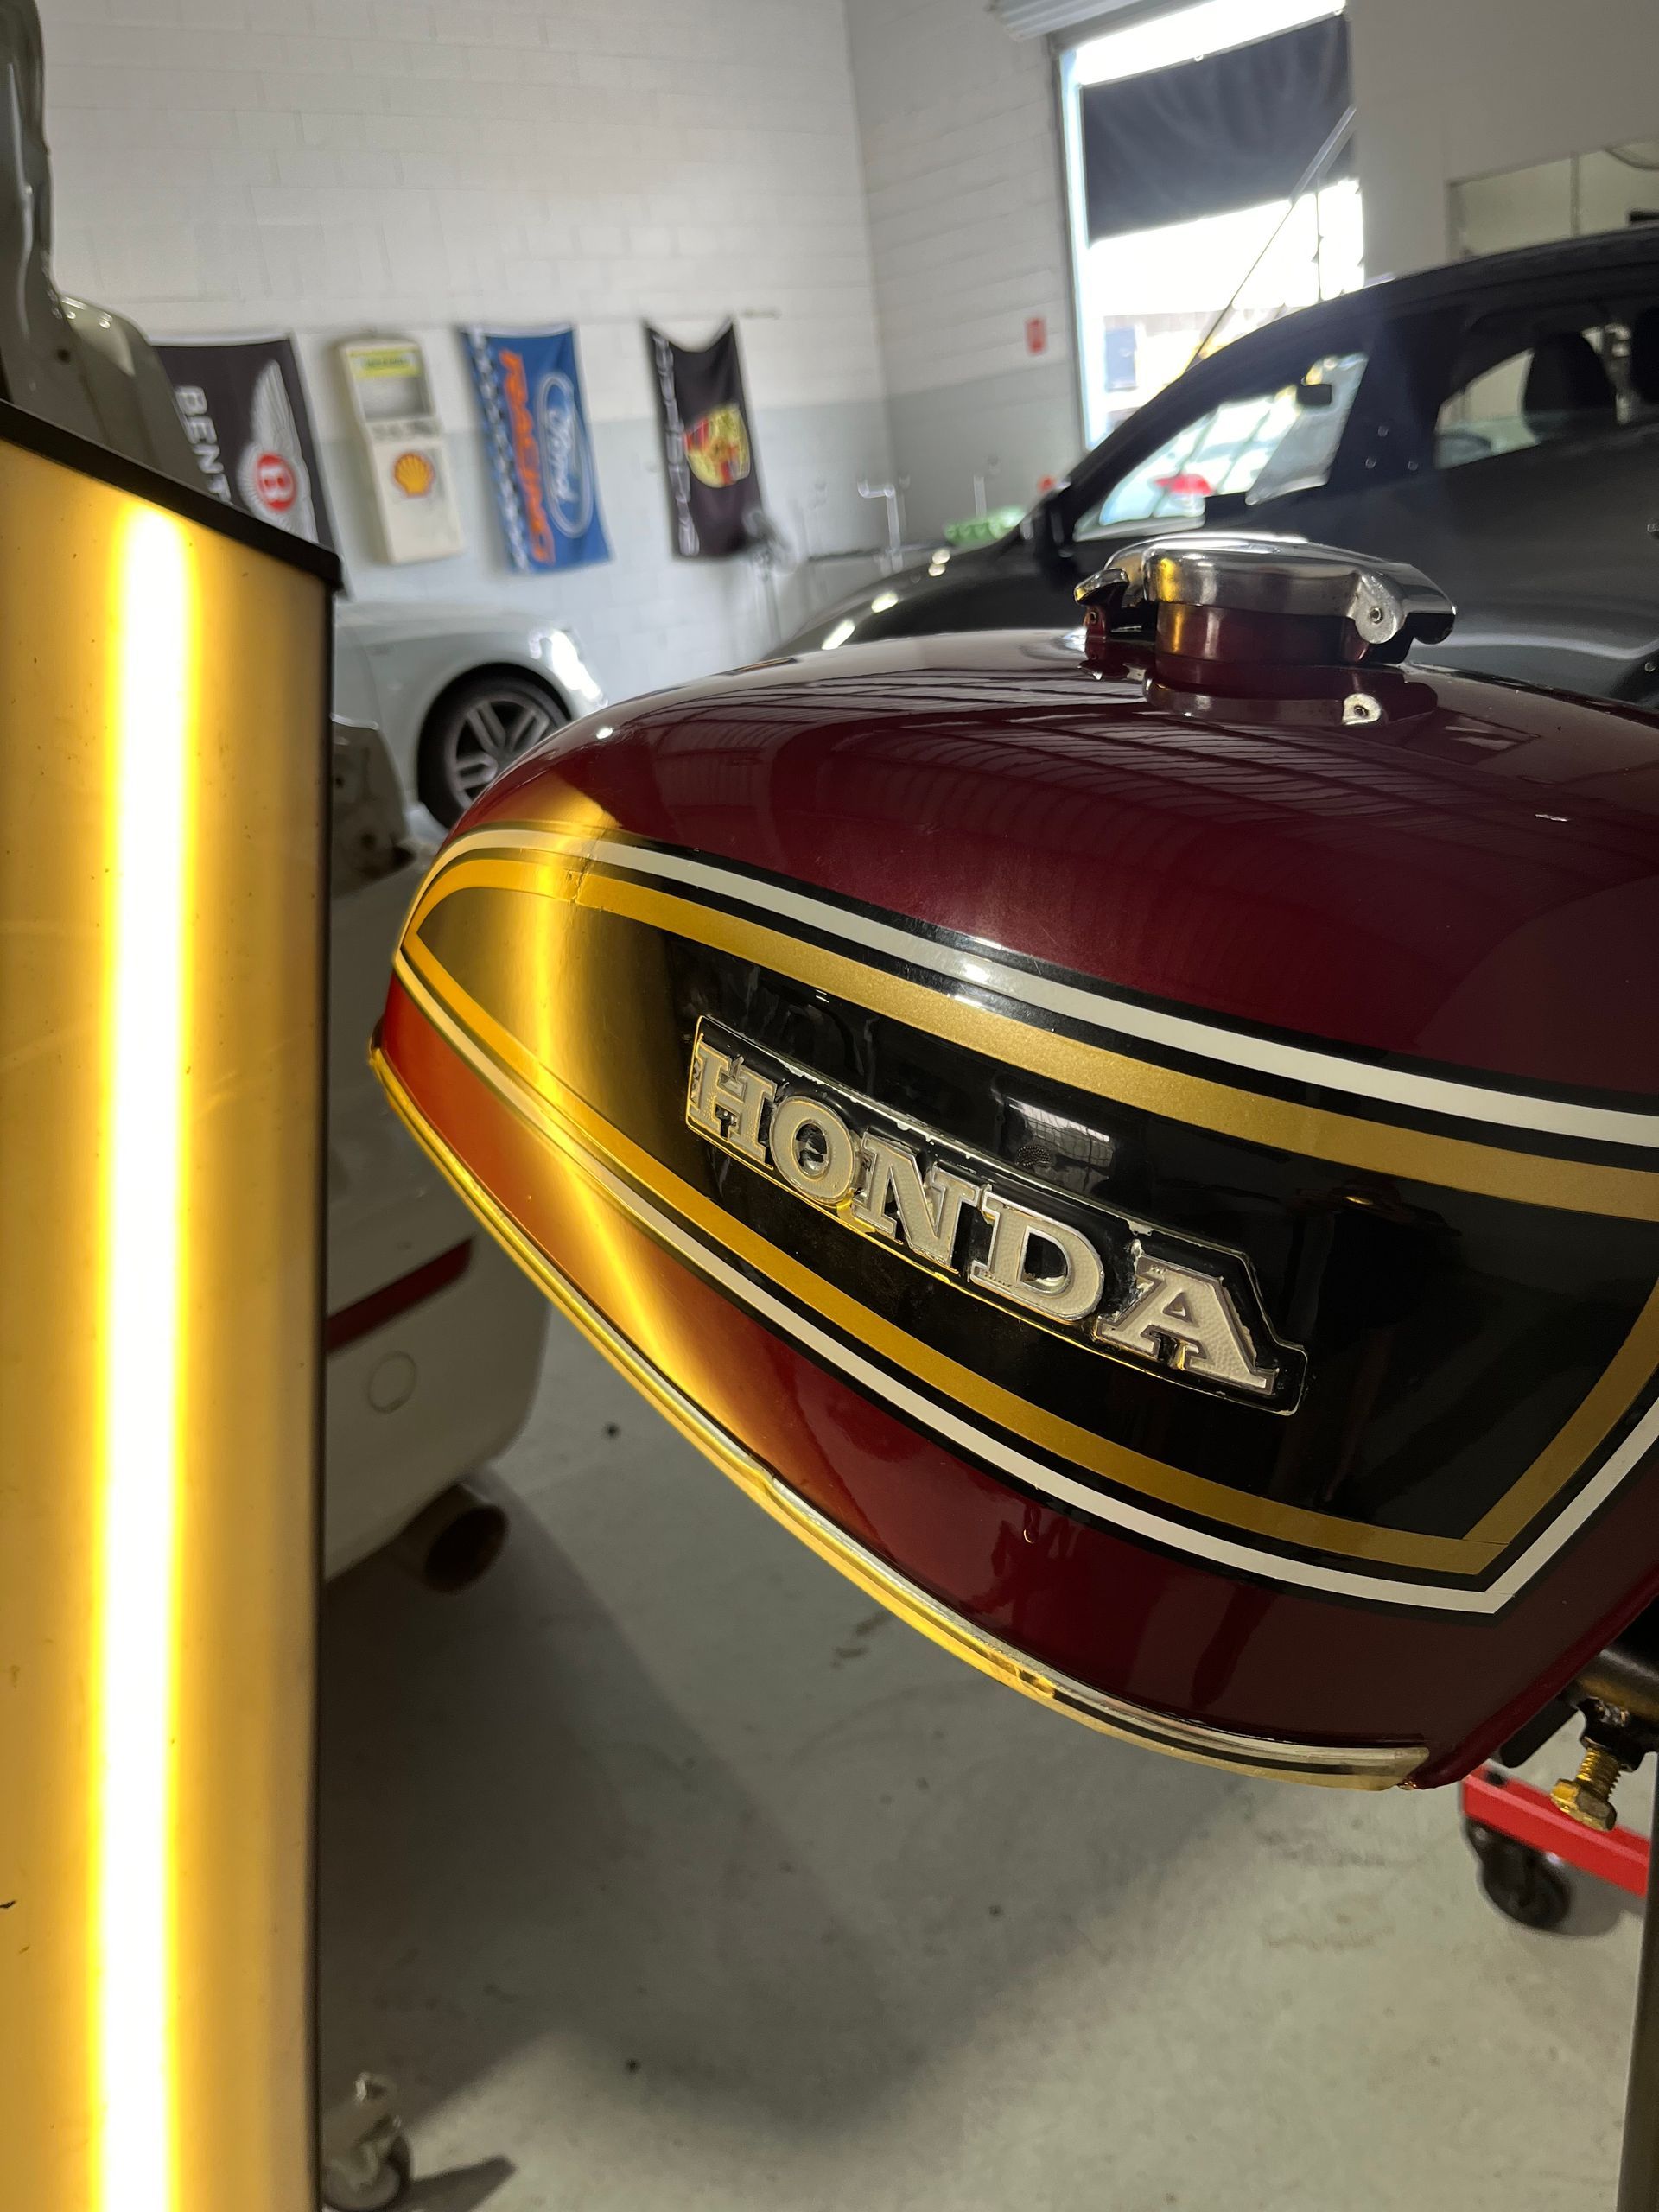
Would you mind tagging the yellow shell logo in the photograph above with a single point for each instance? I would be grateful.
(413, 474)
(717, 447)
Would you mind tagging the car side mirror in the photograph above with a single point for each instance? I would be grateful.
(1226, 507)
(1050, 535)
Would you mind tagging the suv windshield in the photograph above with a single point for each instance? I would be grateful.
(1262, 445)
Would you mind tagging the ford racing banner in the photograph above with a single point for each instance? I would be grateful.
(244, 410)
(712, 485)
(535, 428)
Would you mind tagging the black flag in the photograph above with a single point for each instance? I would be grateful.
(244, 410)
(712, 488)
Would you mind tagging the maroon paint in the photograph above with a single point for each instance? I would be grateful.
(1158, 1628)
(1408, 888)
(1472, 880)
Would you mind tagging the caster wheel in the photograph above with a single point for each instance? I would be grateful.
(369, 2178)
(1524, 1885)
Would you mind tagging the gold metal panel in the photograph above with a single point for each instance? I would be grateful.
(162, 711)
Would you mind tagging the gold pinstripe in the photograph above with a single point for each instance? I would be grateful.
(1379, 1147)
(1342, 1766)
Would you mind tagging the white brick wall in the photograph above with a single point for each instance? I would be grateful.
(1512, 82)
(968, 234)
(331, 166)
(967, 223)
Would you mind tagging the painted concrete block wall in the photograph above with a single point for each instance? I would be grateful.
(968, 235)
(1449, 93)
(967, 220)
(334, 167)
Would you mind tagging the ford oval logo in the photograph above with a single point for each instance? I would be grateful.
(567, 465)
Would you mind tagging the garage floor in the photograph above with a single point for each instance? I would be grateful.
(665, 1872)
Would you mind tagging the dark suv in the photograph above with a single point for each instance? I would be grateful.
(1495, 422)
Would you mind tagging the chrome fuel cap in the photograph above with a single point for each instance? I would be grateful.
(1216, 595)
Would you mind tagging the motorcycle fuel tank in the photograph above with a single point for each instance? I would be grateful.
(1139, 1145)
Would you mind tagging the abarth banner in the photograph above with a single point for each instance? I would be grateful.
(535, 428)
(712, 488)
(244, 410)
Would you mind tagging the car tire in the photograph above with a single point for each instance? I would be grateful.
(477, 730)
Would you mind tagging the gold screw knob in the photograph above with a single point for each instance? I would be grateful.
(1588, 1798)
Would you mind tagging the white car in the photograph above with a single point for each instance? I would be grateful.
(434, 1336)
(457, 692)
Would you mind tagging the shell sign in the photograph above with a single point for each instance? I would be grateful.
(414, 475)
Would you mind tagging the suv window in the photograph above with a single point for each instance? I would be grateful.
(1569, 374)
(1258, 445)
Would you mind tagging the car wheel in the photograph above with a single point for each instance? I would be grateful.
(475, 732)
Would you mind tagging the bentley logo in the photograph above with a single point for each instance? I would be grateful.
(1120, 1286)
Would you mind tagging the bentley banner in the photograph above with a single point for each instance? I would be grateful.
(535, 428)
(712, 485)
(244, 410)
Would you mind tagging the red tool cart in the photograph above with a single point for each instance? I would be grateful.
(1523, 1840)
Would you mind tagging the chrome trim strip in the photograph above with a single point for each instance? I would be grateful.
(1098, 1009)
(1363, 1766)
(1356, 1766)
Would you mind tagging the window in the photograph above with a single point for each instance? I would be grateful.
(1556, 375)
(1259, 446)
(1202, 248)
(1570, 198)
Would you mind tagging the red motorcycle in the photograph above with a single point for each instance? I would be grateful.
(1140, 1148)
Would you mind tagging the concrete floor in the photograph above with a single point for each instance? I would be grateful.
(663, 1873)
